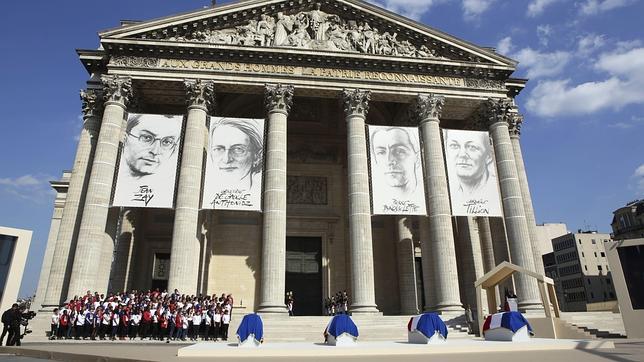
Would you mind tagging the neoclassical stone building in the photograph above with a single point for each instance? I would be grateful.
(317, 71)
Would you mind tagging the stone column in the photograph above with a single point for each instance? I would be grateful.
(487, 247)
(427, 266)
(501, 253)
(65, 240)
(406, 266)
(120, 270)
(186, 233)
(61, 188)
(356, 106)
(470, 262)
(278, 100)
(498, 116)
(104, 264)
(117, 92)
(427, 109)
(516, 121)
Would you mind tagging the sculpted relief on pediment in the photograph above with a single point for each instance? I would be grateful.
(314, 29)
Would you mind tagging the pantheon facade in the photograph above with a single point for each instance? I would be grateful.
(318, 72)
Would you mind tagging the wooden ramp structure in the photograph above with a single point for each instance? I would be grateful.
(505, 270)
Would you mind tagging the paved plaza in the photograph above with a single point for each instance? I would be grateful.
(625, 350)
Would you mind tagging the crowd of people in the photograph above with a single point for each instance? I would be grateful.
(337, 303)
(153, 315)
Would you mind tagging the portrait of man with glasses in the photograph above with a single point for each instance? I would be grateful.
(148, 165)
(233, 178)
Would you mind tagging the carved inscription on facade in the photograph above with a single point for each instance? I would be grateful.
(306, 190)
(311, 71)
(290, 70)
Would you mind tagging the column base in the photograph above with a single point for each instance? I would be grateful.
(272, 310)
(409, 312)
(357, 309)
(530, 306)
(446, 308)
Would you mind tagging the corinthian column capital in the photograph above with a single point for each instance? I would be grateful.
(498, 110)
(200, 94)
(92, 102)
(427, 107)
(515, 122)
(278, 97)
(117, 89)
(356, 101)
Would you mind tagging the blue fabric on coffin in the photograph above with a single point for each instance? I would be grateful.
(428, 324)
(342, 323)
(509, 320)
(251, 324)
(514, 321)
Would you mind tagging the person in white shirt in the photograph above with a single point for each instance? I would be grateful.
(225, 322)
(54, 323)
(105, 323)
(80, 324)
(196, 324)
(216, 324)
(115, 324)
(207, 321)
(135, 320)
(184, 327)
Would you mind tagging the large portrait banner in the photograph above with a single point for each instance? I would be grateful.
(396, 171)
(473, 183)
(234, 165)
(148, 166)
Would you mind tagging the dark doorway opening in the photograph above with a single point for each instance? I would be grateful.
(160, 284)
(304, 274)
(160, 271)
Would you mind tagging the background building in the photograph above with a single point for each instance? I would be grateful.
(580, 269)
(628, 221)
(548, 231)
(14, 246)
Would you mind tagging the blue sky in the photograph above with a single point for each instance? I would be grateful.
(583, 136)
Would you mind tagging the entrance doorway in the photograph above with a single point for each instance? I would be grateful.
(304, 274)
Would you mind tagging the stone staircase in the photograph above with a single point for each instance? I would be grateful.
(598, 324)
(371, 328)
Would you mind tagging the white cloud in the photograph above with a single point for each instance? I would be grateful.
(28, 187)
(22, 181)
(504, 45)
(414, 9)
(623, 86)
(536, 7)
(626, 45)
(474, 8)
(592, 7)
(543, 33)
(629, 63)
(538, 64)
(590, 43)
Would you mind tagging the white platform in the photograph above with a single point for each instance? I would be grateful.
(506, 335)
(250, 342)
(343, 340)
(304, 349)
(418, 338)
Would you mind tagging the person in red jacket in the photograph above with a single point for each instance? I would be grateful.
(125, 322)
(63, 324)
(146, 320)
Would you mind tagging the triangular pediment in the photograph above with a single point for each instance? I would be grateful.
(324, 26)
